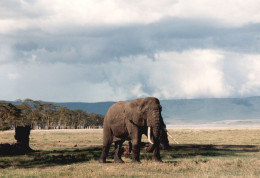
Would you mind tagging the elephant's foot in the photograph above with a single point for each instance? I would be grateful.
(136, 161)
(157, 160)
(102, 160)
(118, 161)
(104, 154)
(136, 154)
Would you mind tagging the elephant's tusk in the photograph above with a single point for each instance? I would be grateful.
(149, 135)
(172, 137)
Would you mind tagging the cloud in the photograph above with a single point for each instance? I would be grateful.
(13, 76)
(193, 73)
(114, 50)
(242, 73)
(102, 44)
(53, 15)
(52, 82)
(189, 74)
(232, 13)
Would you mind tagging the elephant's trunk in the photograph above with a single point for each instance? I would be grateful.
(155, 131)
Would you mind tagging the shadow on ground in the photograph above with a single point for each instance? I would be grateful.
(203, 151)
(41, 159)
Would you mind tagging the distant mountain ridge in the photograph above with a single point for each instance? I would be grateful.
(192, 111)
(211, 110)
(99, 107)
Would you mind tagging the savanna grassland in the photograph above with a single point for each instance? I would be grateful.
(218, 152)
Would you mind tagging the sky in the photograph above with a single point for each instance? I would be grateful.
(110, 50)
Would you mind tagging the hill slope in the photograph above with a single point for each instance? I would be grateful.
(211, 110)
(194, 111)
(99, 108)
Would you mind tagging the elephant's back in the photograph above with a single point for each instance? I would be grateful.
(115, 111)
(114, 119)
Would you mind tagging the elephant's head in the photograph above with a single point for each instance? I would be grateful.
(163, 140)
(156, 132)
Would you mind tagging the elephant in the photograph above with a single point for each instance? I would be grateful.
(128, 121)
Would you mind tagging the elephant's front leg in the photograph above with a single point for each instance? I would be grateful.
(136, 153)
(118, 152)
(156, 154)
(136, 149)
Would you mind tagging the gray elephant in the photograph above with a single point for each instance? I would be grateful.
(128, 121)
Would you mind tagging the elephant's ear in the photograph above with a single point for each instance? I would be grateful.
(136, 113)
(143, 106)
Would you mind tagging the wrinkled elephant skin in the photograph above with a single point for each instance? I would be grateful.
(128, 121)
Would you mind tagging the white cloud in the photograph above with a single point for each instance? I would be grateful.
(250, 64)
(55, 15)
(6, 52)
(188, 74)
(137, 90)
(86, 50)
(115, 11)
(228, 12)
(13, 76)
(193, 73)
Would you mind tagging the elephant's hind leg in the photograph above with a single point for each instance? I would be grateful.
(118, 152)
(104, 153)
(107, 141)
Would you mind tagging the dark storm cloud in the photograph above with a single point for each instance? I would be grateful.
(95, 44)
(183, 34)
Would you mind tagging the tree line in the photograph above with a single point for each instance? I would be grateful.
(44, 115)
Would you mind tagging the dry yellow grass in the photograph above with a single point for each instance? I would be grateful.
(74, 153)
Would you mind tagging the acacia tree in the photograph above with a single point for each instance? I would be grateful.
(48, 111)
(31, 111)
(95, 120)
(62, 115)
(9, 115)
(45, 115)
(26, 110)
(36, 113)
(77, 118)
(83, 118)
